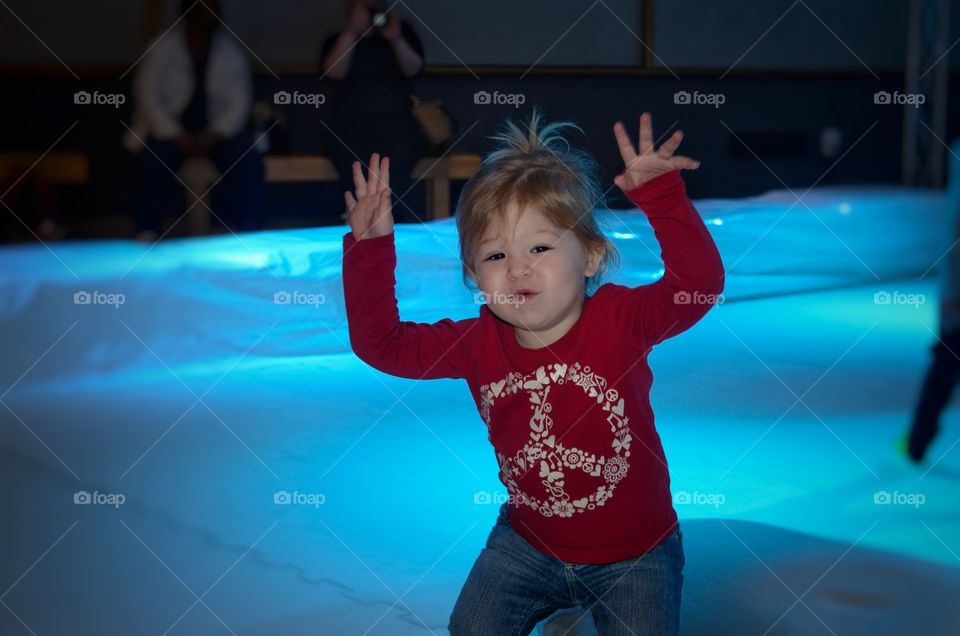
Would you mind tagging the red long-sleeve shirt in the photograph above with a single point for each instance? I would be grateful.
(571, 423)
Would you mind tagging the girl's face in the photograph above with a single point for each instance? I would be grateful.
(532, 275)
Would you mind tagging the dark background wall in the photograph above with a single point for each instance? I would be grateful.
(787, 71)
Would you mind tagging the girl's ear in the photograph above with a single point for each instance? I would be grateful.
(473, 275)
(594, 254)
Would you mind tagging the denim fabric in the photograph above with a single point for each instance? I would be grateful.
(513, 586)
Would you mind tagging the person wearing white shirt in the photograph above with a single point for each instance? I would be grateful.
(193, 94)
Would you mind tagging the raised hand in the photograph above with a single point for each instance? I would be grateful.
(640, 168)
(370, 213)
(392, 29)
(359, 19)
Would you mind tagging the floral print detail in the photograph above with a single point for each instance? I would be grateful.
(616, 469)
(573, 458)
(562, 508)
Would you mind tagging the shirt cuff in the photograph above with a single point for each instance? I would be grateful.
(378, 242)
(655, 196)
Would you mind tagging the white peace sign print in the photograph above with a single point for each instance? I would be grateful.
(542, 452)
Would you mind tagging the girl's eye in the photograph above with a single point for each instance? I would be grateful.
(499, 255)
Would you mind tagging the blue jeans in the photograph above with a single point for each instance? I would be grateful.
(513, 586)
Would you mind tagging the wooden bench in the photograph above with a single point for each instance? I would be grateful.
(438, 172)
(73, 168)
(46, 171)
(57, 167)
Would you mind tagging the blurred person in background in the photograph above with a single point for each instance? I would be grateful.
(193, 93)
(373, 63)
(941, 377)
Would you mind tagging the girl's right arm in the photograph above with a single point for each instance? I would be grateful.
(377, 336)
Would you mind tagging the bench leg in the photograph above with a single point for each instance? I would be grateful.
(438, 206)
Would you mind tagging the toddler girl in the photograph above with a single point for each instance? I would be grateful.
(559, 374)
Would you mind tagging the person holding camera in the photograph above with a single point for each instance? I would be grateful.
(373, 64)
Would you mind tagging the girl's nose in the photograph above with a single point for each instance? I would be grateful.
(519, 269)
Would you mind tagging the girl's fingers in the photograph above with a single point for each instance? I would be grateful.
(351, 202)
(374, 173)
(685, 163)
(385, 202)
(627, 153)
(670, 145)
(385, 173)
(358, 181)
(646, 134)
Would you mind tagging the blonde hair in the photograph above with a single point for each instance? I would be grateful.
(539, 168)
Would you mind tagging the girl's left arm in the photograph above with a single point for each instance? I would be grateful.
(693, 278)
